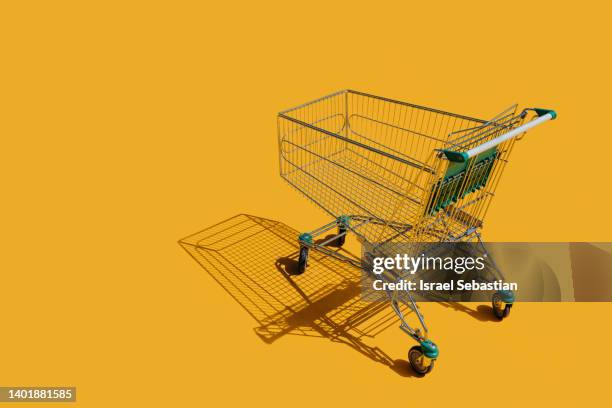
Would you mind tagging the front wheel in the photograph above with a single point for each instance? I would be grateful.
(418, 361)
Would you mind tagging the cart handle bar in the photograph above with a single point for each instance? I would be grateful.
(544, 115)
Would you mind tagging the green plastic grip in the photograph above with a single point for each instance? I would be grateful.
(542, 112)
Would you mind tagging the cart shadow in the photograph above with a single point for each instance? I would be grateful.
(255, 260)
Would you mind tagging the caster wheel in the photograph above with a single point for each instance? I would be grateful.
(342, 238)
(415, 357)
(303, 260)
(507, 310)
(501, 310)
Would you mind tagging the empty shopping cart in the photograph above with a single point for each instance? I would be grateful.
(395, 173)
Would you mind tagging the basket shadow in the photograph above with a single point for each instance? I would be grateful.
(255, 260)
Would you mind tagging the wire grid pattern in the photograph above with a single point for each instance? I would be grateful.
(358, 154)
(252, 258)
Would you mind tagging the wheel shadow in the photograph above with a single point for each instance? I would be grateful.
(403, 368)
(255, 260)
(483, 313)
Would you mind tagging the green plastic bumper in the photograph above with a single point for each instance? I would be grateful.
(507, 296)
(429, 349)
(305, 238)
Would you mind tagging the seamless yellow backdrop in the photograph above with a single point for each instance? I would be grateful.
(127, 126)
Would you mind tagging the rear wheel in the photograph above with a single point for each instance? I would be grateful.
(507, 310)
(417, 361)
(500, 309)
(302, 260)
(341, 238)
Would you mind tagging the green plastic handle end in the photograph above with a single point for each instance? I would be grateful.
(542, 112)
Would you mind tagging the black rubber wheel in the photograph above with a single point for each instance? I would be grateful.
(507, 310)
(414, 356)
(498, 309)
(341, 238)
(303, 260)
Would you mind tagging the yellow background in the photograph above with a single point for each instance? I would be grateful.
(128, 126)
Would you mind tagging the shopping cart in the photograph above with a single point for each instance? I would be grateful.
(394, 173)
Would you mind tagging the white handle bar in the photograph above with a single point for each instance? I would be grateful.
(543, 116)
